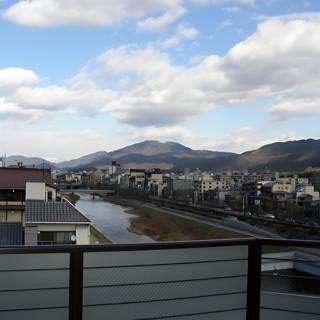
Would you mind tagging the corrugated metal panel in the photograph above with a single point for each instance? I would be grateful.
(290, 306)
(195, 283)
(34, 286)
(10, 234)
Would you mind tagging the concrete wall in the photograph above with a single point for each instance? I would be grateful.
(54, 193)
(83, 234)
(35, 191)
(39, 191)
(30, 236)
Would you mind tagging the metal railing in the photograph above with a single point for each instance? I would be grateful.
(195, 280)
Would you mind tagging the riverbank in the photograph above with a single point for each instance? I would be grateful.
(97, 237)
(162, 226)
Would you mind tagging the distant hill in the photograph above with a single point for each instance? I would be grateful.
(29, 162)
(86, 160)
(281, 156)
(165, 155)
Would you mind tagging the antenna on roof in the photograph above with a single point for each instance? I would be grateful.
(3, 161)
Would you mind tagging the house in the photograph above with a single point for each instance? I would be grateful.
(57, 222)
(17, 184)
(29, 201)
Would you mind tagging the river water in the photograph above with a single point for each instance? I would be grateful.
(110, 219)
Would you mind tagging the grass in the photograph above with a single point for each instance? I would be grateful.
(72, 197)
(166, 227)
(97, 236)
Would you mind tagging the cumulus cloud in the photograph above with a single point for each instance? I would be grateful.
(12, 111)
(311, 15)
(275, 63)
(296, 108)
(55, 13)
(143, 87)
(13, 77)
(51, 13)
(55, 98)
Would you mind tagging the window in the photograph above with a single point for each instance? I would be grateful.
(49, 195)
(59, 237)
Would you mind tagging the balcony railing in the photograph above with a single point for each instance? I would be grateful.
(216, 280)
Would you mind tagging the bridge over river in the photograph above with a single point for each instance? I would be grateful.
(91, 192)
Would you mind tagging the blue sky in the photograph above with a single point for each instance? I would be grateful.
(81, 76)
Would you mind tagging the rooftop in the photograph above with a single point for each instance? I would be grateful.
(16, 178)
(39, 211)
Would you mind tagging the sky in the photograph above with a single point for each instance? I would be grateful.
(80, 76)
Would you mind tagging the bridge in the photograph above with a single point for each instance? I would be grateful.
(92, 192)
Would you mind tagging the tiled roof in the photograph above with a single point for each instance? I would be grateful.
(16, 178)
(10, 234)
(52, 212)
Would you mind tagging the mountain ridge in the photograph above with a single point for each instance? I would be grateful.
(281, 156)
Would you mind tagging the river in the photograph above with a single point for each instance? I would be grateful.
(110, 219)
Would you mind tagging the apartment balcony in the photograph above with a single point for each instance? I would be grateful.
(216, 280)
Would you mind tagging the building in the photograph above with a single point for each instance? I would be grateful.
(137, 178)
(307, 190)
(55, 223)
(29, 201)
(314, 179)
(18, 184)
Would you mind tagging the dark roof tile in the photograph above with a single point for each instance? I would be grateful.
(54, 212)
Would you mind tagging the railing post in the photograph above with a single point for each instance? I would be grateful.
(76, 285)
(254, 281)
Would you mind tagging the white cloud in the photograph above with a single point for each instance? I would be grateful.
(55, 13)
(183, 32)
(169, 133)
(224, 2)
(54, 98)
(225, 24)
(162, 22)
(310, 16)
(52, 13)
(12, 111)
(12, 77)
(296, 108)
(275, 63)
(50, 144)
(143, 87)
(245, 139)
(232, 9)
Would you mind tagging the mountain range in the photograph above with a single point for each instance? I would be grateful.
(281, 156)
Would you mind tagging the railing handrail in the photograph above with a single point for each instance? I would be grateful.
(77, 253)
(158, 245)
